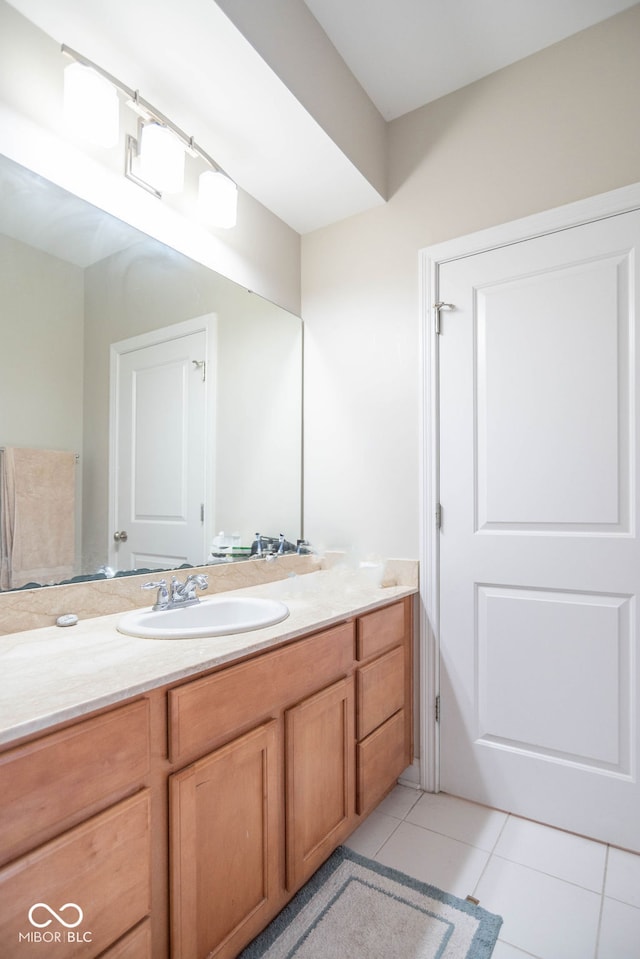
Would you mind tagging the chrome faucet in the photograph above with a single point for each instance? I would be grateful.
(178, 594)
(268, 547)
(184, 594)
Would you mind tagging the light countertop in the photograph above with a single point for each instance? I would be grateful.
(54, 674)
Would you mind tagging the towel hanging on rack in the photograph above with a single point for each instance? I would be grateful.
(37, 491)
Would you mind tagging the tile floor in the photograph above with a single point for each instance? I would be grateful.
(560, 896)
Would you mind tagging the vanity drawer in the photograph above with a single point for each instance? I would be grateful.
(380, 759)
(380, 689)
(205, 712)
(101, 868)
(380, 629)
(53, 782)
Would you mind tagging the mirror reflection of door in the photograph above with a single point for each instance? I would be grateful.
(160, 448)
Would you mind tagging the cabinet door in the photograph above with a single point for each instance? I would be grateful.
(225, 846)
(320, 760)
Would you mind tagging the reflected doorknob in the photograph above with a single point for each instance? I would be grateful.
(121, 537)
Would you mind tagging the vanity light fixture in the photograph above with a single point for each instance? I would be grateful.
(91, 105)
(155, 159)
(161, 158)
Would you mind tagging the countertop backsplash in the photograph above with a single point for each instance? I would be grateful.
(41, 606)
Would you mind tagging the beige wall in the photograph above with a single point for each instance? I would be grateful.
(558, 126)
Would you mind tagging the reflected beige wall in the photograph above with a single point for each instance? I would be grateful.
(258, 387)
(41, 352)
(41, 347)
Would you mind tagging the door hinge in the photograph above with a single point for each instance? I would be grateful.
(438, 516)
(202, 366)
(437, 709)
(202, 512)
(440, 305)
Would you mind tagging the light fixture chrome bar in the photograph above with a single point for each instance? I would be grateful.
(141, 104)
(131, 151)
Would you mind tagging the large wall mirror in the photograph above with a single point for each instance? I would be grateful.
(73, 282)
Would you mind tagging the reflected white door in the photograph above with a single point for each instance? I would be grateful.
(159, 450)
(539, 550)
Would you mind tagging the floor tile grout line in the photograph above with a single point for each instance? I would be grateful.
(601, 910)
(528, 955)
(605, 871)
(623, 902)
(413, 805)
(384, 843)
(446, 835)
(549, 875)
(491, 853)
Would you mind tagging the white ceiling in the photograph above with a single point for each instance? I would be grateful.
(406, 53)
(188, 58)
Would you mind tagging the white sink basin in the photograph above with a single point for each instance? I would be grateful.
(209, 617)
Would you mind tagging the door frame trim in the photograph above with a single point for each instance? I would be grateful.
(601, 206)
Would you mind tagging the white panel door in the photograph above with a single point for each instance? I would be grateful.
(160, 447)
(539, 550)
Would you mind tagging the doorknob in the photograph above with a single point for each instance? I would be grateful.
(121, 537)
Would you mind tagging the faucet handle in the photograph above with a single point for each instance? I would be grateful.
(163, 593)
(158, 585)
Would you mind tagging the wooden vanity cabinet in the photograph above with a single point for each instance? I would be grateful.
(182, 822)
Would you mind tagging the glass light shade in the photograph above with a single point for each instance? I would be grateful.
(91, 105)
(161, 158)
(218, 199)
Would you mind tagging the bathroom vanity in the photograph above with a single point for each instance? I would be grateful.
(176, 817)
